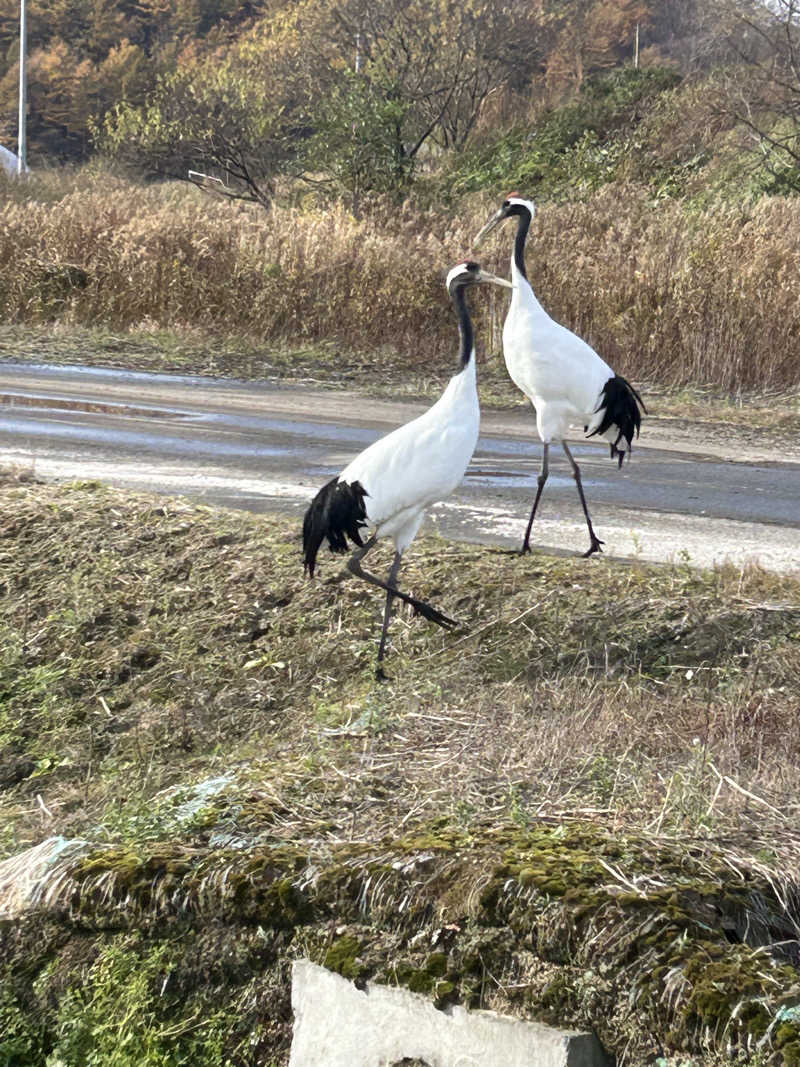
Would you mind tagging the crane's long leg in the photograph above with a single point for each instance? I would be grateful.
(387, 614)
(419, 606)
(576, 474)
(526, 544)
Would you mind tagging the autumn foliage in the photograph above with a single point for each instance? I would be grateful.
(374, 135)
(443, 60)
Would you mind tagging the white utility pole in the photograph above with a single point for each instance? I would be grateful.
(635, 47)
(22, 165)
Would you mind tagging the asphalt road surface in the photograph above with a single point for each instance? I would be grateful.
(686, 494)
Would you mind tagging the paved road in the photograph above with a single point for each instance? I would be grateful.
(266, 447)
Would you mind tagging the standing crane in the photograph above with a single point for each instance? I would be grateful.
(561, 375)
(387, 488)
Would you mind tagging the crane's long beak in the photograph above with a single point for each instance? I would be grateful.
(495, 220)
(485, 276)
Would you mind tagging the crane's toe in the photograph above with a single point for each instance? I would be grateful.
(430, 613)
(595, 546)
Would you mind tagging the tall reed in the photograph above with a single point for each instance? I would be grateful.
(665, 293)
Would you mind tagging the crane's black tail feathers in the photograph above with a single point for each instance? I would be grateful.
(336, 512)
(621, 402)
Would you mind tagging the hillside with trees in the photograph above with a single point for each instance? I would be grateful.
(353, 98)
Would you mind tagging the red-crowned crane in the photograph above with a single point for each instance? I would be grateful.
(561, 375)
(387, 488)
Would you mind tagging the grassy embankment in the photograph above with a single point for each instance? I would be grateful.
(587, 799)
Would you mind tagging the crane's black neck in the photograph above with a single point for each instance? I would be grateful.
(464, 326)
(519, 241)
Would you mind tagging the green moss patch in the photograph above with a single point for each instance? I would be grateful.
(637, 938)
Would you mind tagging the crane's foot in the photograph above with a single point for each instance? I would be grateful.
(595, 546)
(381, 675)
(432, 615)
(526, 548)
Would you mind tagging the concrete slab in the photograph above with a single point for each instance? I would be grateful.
(339, 1025)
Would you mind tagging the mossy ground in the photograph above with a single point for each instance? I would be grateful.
(599, 769)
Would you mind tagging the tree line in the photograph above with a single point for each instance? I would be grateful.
(363, 96)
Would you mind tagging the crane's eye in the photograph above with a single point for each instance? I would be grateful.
(471, 266)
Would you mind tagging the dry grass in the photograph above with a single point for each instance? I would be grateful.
(667, 294)
(146, 644)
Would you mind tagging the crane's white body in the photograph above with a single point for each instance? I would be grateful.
(561, 374)
(419, 463)
(388, 487)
